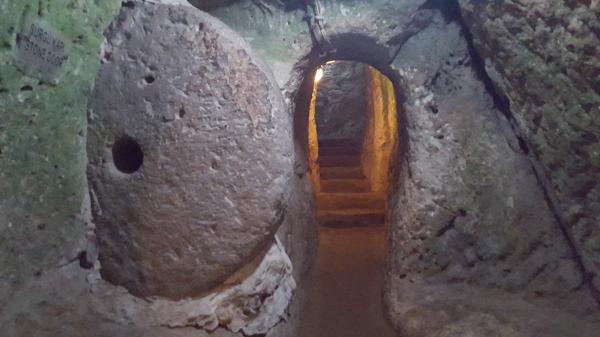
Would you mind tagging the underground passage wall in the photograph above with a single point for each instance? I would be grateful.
(470, 209)
(380, 145)
(130, 249)
(341, 101)
(352, 143)
(355, 105)
(494, 217)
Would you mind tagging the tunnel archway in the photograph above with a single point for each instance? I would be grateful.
(353, 136)
(348, 47)
(347, 276)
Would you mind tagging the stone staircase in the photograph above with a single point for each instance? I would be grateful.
(346, 199)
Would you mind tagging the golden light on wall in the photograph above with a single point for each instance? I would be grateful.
(381, 136)
(319, 74)
(380, 139)
(313, 141)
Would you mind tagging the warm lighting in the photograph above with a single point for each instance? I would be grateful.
(318, 75)
(330, 62)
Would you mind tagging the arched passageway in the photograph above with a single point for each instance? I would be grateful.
(199, 221)
(353, 140)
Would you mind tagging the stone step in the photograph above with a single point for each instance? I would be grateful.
(339, 160)
(351, 218)
(340, 150)
(345, 172)
(345, 185)
(341, 201)
(323, 143)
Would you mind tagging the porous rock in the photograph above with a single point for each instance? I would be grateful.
(543, 58)
(189, 157)
(341, 101)
(253, 306)
(469, 207)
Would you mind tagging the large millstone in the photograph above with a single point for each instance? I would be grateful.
(190, 152)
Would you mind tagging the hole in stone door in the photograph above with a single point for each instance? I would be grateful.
(352, 144)
(149, 79)
(127, 155)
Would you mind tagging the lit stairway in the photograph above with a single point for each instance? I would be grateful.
(346, 199)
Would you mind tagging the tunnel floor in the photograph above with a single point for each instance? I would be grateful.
(345, 285)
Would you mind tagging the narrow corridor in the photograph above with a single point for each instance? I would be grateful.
(353, 137)
(346, 198)
(345, 285)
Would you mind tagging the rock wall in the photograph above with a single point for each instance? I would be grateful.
(474, 245)
(380, 156)
(470, 209)
(42, 134)
(543, 57)
(69, 284)
(342, 101)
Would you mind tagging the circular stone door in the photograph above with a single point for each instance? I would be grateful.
(189, 152)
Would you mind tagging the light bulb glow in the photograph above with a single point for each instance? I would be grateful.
(319, 75)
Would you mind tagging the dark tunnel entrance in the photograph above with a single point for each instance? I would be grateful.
(353, 134)
(352, 146)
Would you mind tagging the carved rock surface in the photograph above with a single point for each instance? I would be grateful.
(189, 152)
(544, 56)
(251, 303)
(341, 101)
(469, 207)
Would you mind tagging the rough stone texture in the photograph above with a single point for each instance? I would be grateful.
(210, 4)
(217, 166)
(361, 31)
(42, 139)
(493, 177)
(295, 41)
(470, 208)
(460, 310)
(252, 301)
(298, 235)
(264, 295)
(544, 56)
(44, 290)
(273, 30)
(246, 300)
(386, 24)
(341, 101)
(530, 65)
(380, 143)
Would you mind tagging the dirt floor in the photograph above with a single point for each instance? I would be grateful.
(344, 288)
